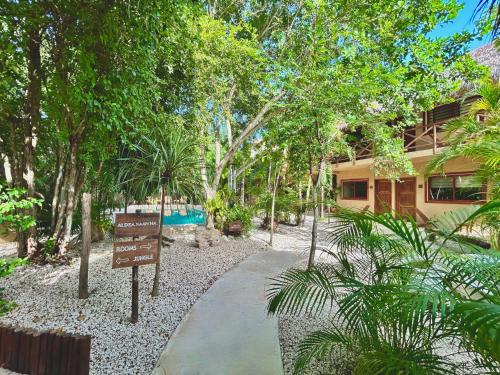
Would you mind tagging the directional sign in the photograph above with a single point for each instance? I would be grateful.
(129, 225)
(134, 253)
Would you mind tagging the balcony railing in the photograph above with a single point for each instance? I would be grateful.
(418, 138)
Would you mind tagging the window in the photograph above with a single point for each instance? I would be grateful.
(461, 188)
(355, 189)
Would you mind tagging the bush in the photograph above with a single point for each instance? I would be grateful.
(216, 207)
(6, 268)
(238, 212)
(395, 295)
(12, 202)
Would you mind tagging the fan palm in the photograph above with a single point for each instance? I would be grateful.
(396, 294)
(164, 161)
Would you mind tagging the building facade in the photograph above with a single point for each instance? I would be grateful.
(422, 197)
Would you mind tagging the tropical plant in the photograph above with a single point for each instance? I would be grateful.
(238, 212)
(162, 161)
(6, 268)
(13, 204)
(397, 294)
(492, 9)
(476, 136)
(215, 207)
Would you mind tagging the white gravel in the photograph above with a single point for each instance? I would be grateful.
(47, 299)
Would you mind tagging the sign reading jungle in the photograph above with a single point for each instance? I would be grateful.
(134, 253)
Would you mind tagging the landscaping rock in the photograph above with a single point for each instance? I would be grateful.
(205, 238)
(47, 299)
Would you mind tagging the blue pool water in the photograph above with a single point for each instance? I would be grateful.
(193, 216)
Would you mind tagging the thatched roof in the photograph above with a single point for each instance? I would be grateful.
(489, 56)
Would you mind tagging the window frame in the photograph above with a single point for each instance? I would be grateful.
(356, 180)
(428, 198)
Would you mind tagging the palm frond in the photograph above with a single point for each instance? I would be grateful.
(167, 158)
(480, 321)
(387, 361)
(317, 345)
(302, 291)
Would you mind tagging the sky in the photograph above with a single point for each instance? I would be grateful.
(462, 22)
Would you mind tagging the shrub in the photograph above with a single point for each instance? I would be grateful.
(6, 268)
(238, 212)
(400, 295)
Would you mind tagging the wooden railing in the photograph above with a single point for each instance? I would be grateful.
(421, 137)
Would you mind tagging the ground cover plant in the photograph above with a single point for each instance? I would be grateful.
(399, 294)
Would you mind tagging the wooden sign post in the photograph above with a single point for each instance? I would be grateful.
(135, 253)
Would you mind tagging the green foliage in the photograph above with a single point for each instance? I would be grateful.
(237, 212)
(12, 203)
(163, 157)
(286, 204)
(105, 224)
(216, 206)
(49, 247)
(398, 294)
(6, 268)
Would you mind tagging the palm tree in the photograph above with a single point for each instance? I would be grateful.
(476, 137)
(492, 7)
(164, 161)
(396, 293)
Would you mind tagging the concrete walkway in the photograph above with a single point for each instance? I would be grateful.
(227, 331)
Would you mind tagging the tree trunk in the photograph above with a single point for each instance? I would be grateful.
(57, 191)
(7, 168)
(308, 193)
(322, 201)
(232, 179)
(61, 205)
(156, 282)
(70, 199)
(22, 249)
(16, 169)
(209, 192)
(273, 201)
(217, 144)
(31, 126)
(314, 231)
(83, 281)
(242, 191)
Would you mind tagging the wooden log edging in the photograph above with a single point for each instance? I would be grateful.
(43, 353)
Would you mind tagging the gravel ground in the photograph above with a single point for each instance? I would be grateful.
(47, 299)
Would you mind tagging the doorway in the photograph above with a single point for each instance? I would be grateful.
(383, 196)
(406, 197)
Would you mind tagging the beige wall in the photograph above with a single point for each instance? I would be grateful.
(429, 209)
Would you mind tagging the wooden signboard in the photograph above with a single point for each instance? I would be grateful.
(129, 225)
(134, 253)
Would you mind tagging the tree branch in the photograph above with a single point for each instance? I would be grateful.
(252, 126)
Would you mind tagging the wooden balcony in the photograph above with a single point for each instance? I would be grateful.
(418, 138)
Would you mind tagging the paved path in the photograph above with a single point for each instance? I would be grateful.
(227, 331)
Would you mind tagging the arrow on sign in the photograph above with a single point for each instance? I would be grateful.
(122, 260)
(148, 246)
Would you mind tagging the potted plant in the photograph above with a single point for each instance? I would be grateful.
(237, 220)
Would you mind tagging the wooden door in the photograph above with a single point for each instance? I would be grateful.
(406, 197)
(383, 196)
